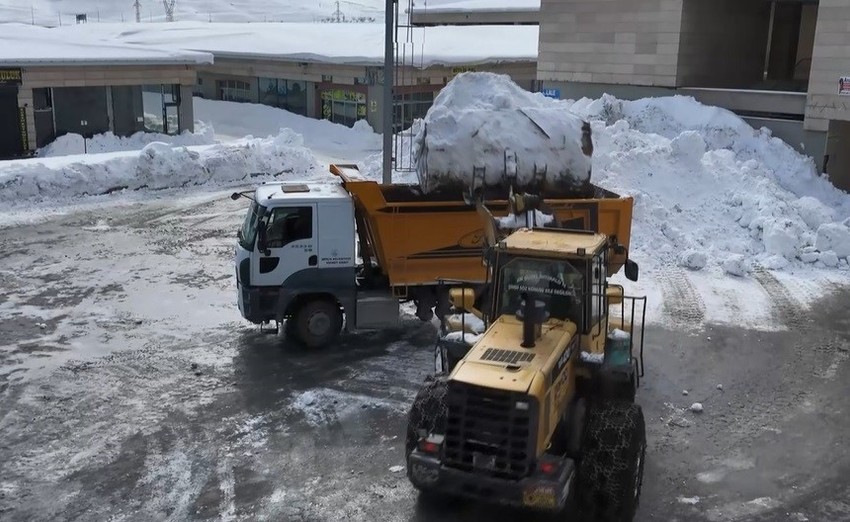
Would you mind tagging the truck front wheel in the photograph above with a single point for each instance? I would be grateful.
(317, 323)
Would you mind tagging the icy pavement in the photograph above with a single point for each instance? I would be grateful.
(131, 389)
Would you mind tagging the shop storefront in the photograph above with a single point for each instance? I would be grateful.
(343, 104)
(290, 95)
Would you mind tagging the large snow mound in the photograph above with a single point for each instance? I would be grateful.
(69, 144)
(157, 166)
(484, 128)
(706, 184)
(232, 120)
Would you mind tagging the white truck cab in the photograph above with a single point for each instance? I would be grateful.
(295, 260)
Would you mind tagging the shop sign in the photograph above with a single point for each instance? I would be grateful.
(552, 93)
(343, 95)
(844, 86)
(22, 124)
(463, 69)
(10, 77)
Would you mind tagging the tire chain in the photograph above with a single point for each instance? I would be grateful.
(606, 459)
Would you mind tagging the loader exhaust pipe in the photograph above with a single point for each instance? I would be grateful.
(533, 313)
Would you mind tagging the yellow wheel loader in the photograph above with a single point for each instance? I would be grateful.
(538, 410)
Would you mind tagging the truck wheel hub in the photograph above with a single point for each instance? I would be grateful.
(318, 323)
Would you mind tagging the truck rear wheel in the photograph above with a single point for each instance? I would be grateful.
(611, 468)
(317, 323)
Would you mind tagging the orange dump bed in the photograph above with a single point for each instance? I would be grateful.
(418, 239)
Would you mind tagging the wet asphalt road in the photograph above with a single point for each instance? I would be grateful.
(176, 410)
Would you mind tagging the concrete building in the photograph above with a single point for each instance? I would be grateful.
(53, 87)
(779, 64)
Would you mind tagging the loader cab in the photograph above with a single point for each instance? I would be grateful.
(565, 270)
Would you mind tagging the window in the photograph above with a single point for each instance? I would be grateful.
(557, 283)
(410, 107)
(234, 90)
(248, 232)
(343, 106)
(289, 95)
(289, 224)
(159, 104)
(42, 99)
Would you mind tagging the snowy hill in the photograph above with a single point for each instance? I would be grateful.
(49, 12)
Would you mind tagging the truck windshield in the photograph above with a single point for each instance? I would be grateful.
(556, 283)
(248, 232)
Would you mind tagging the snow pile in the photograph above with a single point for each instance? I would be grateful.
(68, 144)
(711, 191)
(235, 120)
(157, 166)
(468, 338)
(528, 220)
(483, 124)
(467, 322)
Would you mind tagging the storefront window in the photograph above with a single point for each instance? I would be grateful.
(410, 107)
(289, 95)
(343, 106)
(234, 90)
(160, 104)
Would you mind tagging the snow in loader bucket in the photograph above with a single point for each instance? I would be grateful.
(485, 131)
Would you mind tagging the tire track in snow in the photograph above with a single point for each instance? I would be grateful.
(786, 308)
(683, 305)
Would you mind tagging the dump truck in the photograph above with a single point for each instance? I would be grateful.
(538, 410)
(320, 257)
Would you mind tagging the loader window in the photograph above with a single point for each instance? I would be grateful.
(289, 224)
(557, 283)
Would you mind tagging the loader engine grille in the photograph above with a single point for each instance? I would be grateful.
(487, 433)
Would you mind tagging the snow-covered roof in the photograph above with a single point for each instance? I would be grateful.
(27, 45)
(345, 43)
(473, 6)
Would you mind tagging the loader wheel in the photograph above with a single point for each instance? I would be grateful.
(428, 412)
(317, 323)
(611, 469)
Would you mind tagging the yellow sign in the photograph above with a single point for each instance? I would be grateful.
(22, 123)
(10, 76)
(343, 95)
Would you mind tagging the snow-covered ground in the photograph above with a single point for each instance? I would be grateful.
(130, 388)
(727, 219)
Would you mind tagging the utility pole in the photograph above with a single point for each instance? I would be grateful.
(32, 12)
(138, 6)
(338, 14)
(388, 92)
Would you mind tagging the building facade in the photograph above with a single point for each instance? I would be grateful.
(40, 103)
(778, 64)
(340, 93)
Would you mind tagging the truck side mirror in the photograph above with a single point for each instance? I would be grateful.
(262, 239)
(632, 270)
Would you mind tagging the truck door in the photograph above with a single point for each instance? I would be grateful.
(291, 245)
